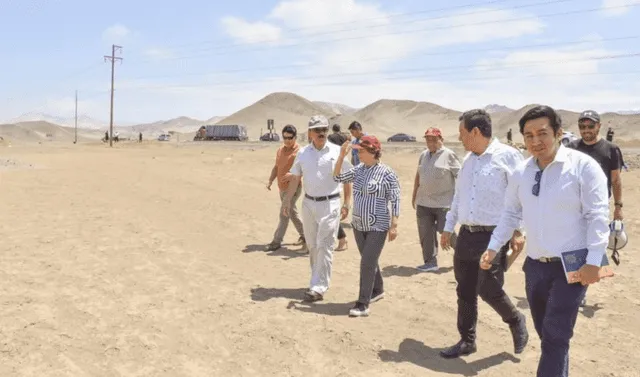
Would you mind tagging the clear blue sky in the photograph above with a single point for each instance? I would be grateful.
(202, 58)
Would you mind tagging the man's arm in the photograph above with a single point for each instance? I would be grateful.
(511, 217)
(272, 177)
(595, 209)
(616, 182)
(296, 176)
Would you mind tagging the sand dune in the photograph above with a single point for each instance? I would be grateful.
(283, 108)
(383, 118)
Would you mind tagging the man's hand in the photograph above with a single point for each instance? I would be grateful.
(393, 233)
(287, 177)
(269, 185)
(445, 240)
(487, 258)
(517, 242)
(413, 202)
(344, 212)
(587, 274)
(617, 213)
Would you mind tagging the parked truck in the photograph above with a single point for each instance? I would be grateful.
(222, 132)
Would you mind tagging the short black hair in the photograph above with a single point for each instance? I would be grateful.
(336, 128)
(355, 125)
(290, 129)
(541, 112)
(477, 118)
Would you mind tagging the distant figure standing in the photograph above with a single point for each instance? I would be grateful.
(106, 135)
(356, 132)
(610, 134)
(338, 138)
(140, 138)
(509, 136)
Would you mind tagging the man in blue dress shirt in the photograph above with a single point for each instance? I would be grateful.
(561, 196)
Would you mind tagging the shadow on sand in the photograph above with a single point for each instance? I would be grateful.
(415, 352)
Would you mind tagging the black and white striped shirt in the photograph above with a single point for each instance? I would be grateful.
(374, 187)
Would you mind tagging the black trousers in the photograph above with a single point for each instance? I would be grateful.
(554, 307)
(341, 233)
(474, 281)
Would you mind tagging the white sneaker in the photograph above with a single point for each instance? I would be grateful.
(360, 310)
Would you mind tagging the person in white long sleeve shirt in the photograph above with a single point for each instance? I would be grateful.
(561, 196)
(477, 204)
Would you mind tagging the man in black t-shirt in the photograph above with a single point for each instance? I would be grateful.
(606, 153)
(337, 137)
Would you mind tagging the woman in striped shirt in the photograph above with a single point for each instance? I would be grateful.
(375, 185)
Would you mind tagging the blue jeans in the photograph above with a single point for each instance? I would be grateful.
(554, 305)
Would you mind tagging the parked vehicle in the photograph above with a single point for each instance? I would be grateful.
(226, 132)
(201, 134)
(568, 137)
(164, 137)
(401, 137)
(270, 137)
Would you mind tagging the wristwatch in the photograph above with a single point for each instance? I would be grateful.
(618, 204)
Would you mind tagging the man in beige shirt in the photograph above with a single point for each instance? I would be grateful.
(433, 191)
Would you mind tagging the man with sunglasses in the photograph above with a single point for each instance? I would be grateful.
(321, 212)
(560, 195)
(606, 153)
(285, 156)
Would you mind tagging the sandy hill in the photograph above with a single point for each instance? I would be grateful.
(626, 126)
(387, 117)
(284, 108)
(181, 124)
(43, 131)
(336, 108)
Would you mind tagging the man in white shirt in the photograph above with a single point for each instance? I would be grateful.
(477, 205)
(561, 196)
(321, 212)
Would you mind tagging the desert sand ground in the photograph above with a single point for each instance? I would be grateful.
(146, 260)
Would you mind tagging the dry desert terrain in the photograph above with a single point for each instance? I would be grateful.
(146, 260)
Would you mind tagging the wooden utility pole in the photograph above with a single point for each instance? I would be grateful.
(113, 59)
(76, 120)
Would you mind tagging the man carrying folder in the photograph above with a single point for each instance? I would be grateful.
(561, 196)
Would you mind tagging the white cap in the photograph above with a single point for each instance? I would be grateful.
(318, 121)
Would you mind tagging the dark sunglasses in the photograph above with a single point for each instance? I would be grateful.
(536, 188)
(585, 126)
(288, 137)
(321, 130)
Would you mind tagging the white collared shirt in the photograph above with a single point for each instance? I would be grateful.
(482, 182)
(316, 168)
(570, 213)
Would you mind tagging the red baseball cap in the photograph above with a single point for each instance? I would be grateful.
(369, 142)
(433, 131)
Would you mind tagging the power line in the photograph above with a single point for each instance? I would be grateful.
(364, 20)
(397, 32)
(439, 53)
(431, 70)
(113, 59)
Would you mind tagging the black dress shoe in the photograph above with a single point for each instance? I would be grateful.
(520, 334)
(461, 348)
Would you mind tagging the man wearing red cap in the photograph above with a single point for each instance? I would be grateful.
(433, 191)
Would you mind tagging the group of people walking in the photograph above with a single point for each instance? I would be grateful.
(485, 206)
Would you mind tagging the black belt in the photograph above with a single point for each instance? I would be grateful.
(321, 198)
(478, 228)
(547, 259)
